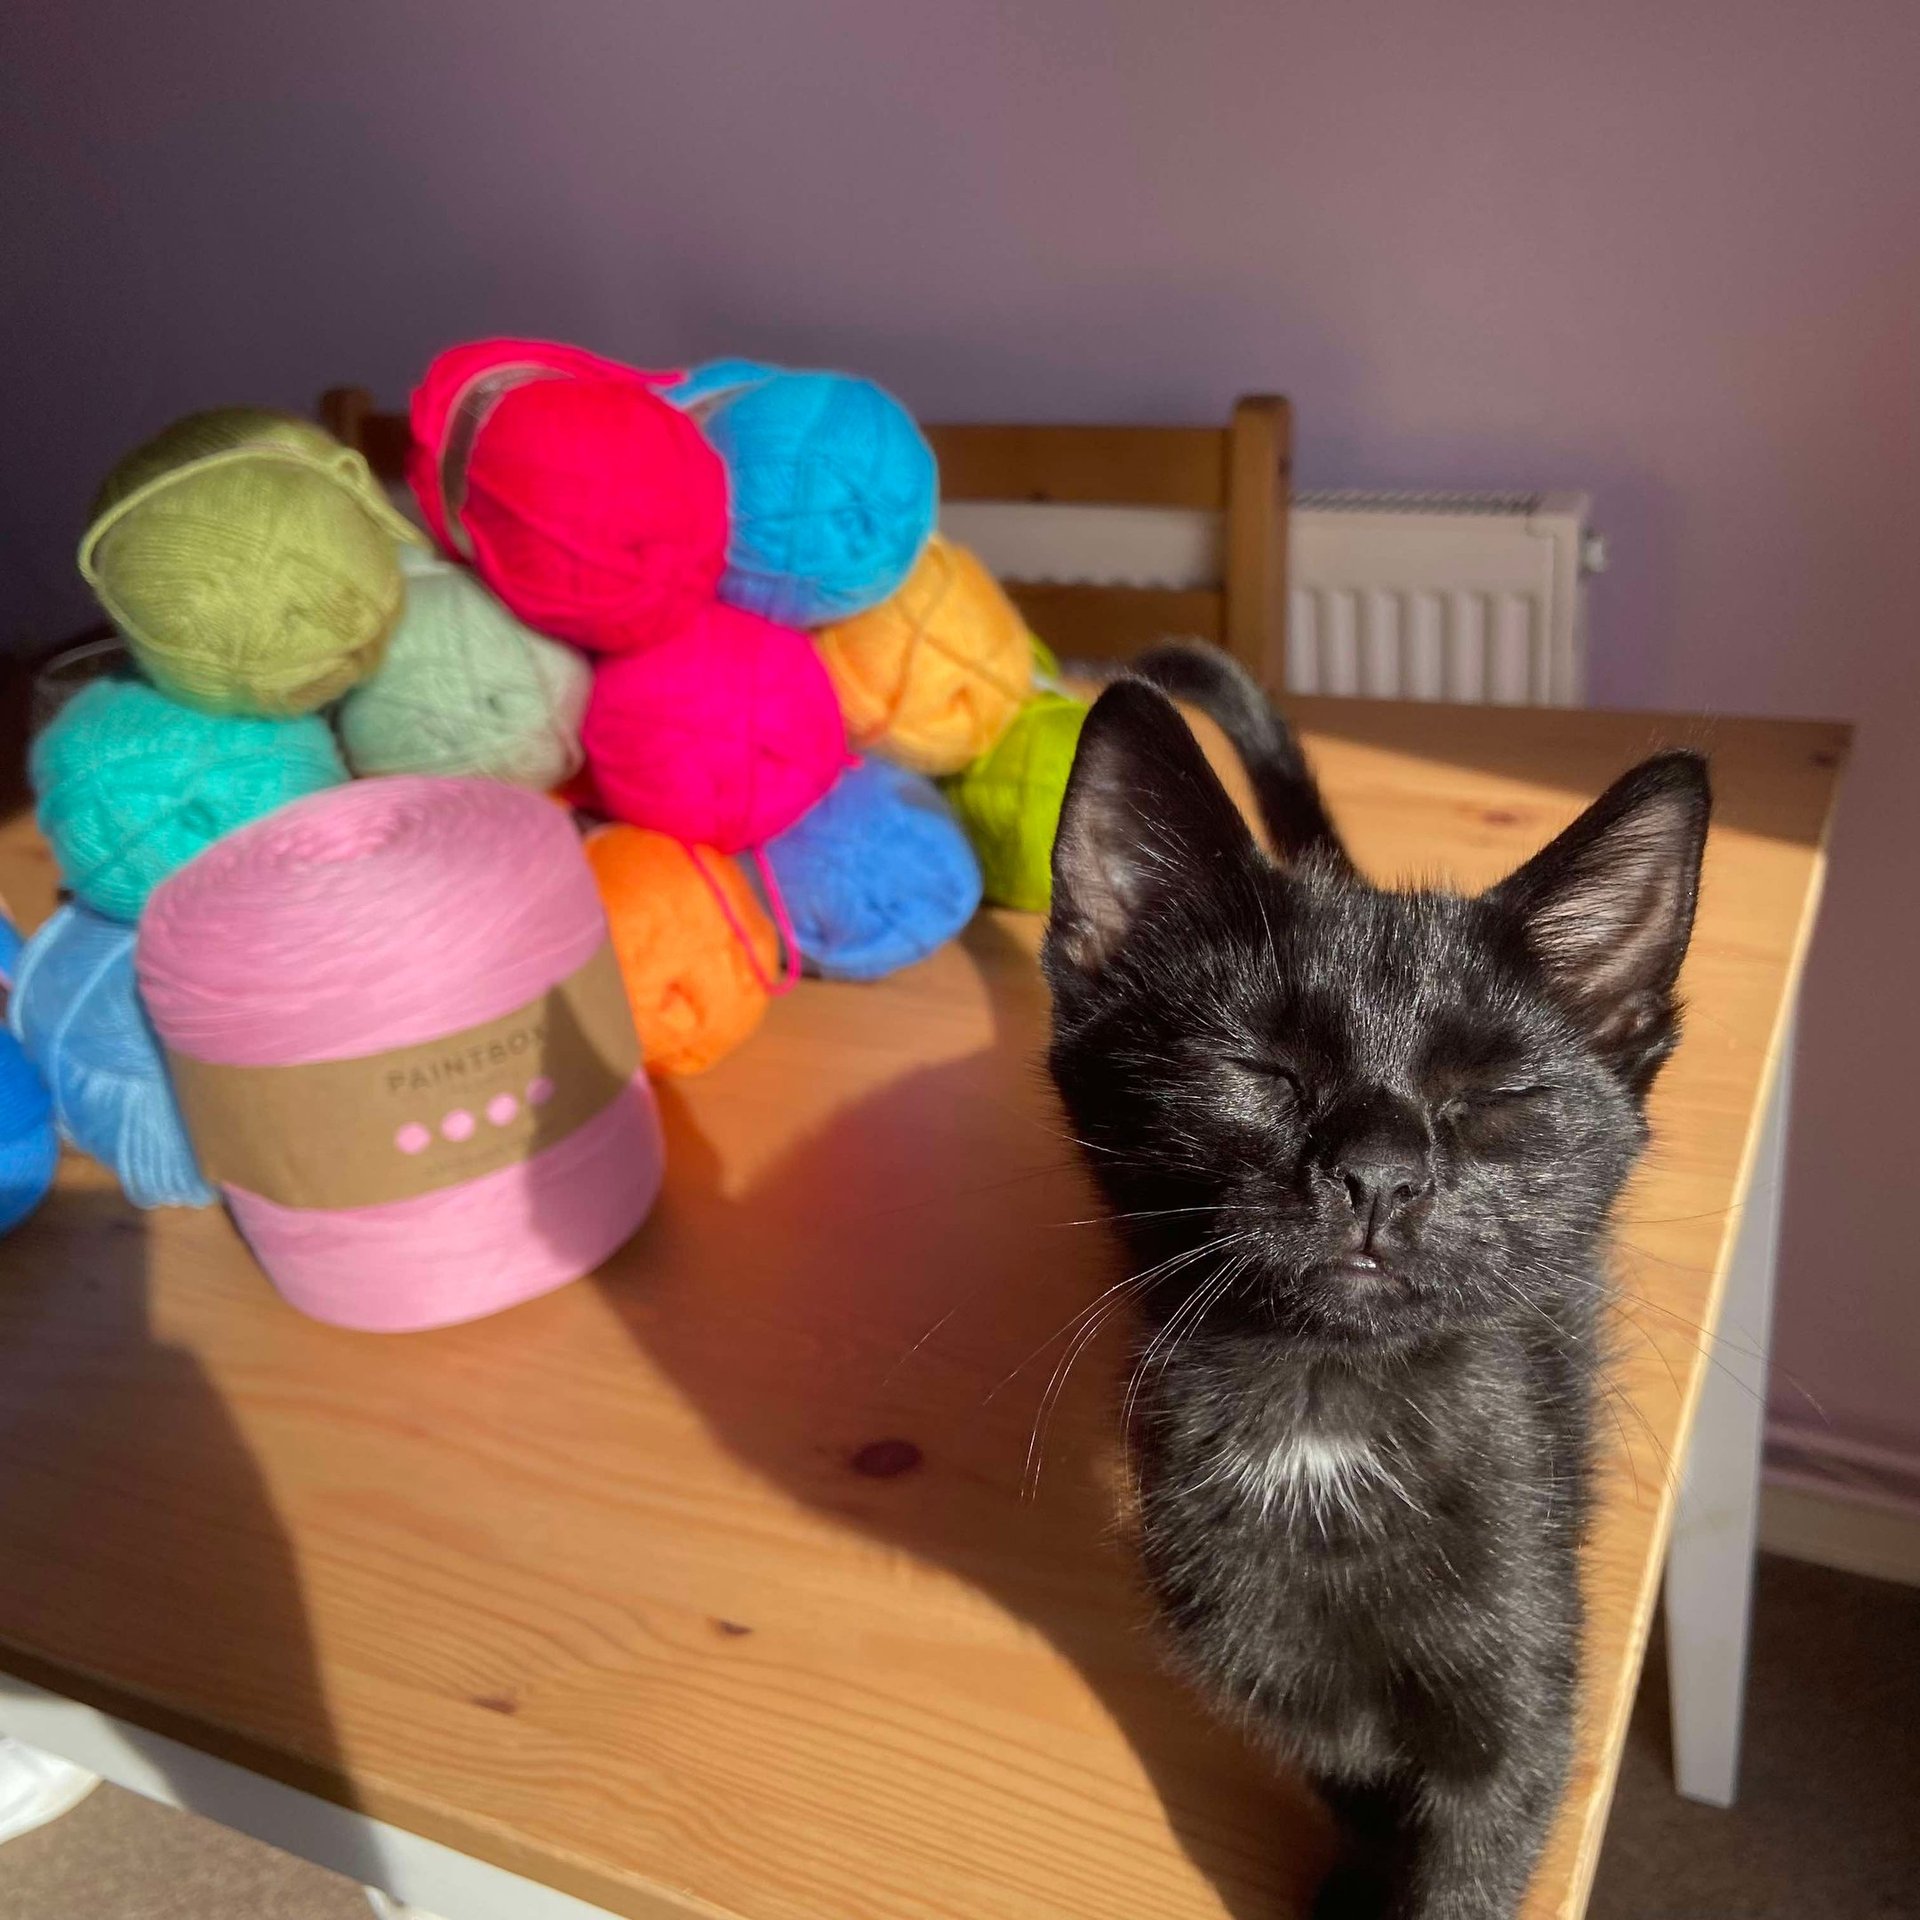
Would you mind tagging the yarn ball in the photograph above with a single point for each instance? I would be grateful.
(249, 559)
(876, 876)
(76, 1009)
(29, 1147)
(1009, 801)
(933, 676)
(132, 785)
(696, 951)
(833, 488)
(721, 736)
(466, 688)
(400, 915)
(592, 507)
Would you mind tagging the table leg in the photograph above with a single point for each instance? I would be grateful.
(1709, 1589)
(421, 1873)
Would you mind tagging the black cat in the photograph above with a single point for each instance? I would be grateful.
(1362, 1146)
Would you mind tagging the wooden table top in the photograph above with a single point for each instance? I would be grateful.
(707, 1586)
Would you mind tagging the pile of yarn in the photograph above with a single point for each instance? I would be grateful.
(709, 612)
(253, 568)
(784, 652)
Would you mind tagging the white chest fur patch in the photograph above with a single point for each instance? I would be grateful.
(1317, 1475)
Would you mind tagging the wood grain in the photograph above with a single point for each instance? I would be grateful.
(1084, 465)
(1259, 499)
(707, 1586)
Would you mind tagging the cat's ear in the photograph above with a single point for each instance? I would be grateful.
(1607, 908)
(1144, 817)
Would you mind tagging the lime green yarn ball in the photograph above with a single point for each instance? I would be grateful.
(131, 785)
(1009, 801)
(250, 561)
(467, 689)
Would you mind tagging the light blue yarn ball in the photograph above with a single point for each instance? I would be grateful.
(76, 1009)
(876, 875)
(132, 785)
(832, 489)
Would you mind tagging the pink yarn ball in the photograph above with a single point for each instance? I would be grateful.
(397, 913)
(722, 736)
(592, 507)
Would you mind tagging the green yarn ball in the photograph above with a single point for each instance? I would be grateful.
(132, 785)
(1009, 801)
(466, 688)
(249, 559)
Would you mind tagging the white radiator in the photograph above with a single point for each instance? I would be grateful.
(1412, 596)
(1440, 596)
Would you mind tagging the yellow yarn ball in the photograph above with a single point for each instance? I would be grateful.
(250, 561)
(933, 676)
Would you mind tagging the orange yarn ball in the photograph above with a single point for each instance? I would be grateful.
(694, 986)
(932, 677)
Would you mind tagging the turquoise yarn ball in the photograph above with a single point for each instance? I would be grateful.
(832, 489)
(467, 689)
(76, 1010)
(876, 875)
(132, 785)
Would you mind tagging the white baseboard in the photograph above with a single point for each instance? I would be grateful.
(1839, 1529)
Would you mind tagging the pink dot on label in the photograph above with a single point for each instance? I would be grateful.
(458, 1125)
(501, 1108)
(413, 1138)
(540, 1092)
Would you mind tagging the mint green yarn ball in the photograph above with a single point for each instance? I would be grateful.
(131, 785)
(1009, 801)
(467, 689)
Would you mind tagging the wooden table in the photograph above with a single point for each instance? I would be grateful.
(707, 1586)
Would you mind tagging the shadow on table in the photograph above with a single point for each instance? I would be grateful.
(901, 1399)
(140, 1540)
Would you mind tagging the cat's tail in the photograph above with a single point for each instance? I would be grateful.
(1212, 680)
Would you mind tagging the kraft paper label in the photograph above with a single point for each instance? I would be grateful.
(391, 1126)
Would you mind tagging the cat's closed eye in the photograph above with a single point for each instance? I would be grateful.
(1277, 1072)
(1469, 1102)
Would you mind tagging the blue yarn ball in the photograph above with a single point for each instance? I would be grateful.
(832, 489)
(876, 875)
(29, 1149)
(76, 1009)
(132, 785)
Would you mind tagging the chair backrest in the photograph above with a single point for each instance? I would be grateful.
(1239, 472)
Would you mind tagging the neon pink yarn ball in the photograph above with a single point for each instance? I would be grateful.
(722, 736)
(593, 508)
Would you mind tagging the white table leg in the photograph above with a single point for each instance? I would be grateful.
(420, 1873)
(1709, 1591)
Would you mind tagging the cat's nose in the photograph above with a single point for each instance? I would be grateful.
(1383, 1160)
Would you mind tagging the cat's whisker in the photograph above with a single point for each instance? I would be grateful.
(1133, 1282)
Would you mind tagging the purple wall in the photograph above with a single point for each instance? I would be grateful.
(1669, 253)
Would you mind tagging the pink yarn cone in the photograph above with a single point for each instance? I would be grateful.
(721, 737)
(392, 914)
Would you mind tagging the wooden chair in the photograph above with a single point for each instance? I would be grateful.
(1239, 472)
